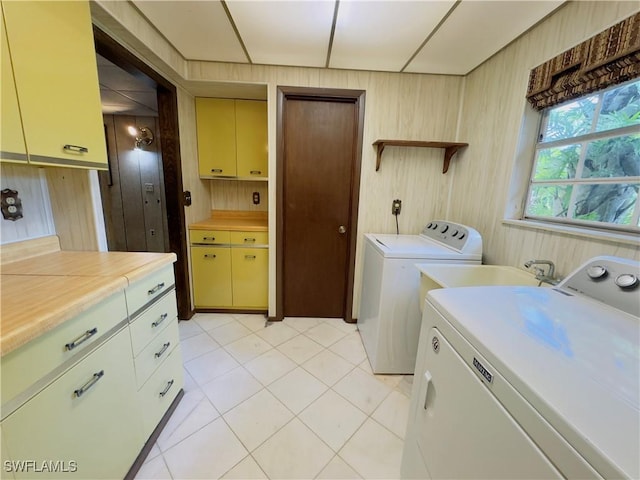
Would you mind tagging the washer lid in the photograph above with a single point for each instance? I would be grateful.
(574, 359)
(415, 246)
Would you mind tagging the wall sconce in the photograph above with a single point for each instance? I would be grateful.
(144, 135)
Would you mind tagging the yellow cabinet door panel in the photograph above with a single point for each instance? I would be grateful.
(56, 76)
(250, 268)
(12, 148)
(251, 138)
(100, 429)
(211, 269)
(216, 130)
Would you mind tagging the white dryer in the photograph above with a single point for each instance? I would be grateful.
(526, 382)
(389, 314)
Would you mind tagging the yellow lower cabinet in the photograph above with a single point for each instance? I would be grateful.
(249, 277)
(211, 269)
(84, 424)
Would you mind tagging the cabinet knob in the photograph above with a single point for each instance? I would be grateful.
(255, 172)
(342, 229)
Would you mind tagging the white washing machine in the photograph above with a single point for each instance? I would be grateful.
(526, 382)
(389, 314)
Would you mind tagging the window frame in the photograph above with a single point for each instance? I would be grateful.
(583, 141)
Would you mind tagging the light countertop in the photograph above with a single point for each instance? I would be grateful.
(239, 221)
(39, 293)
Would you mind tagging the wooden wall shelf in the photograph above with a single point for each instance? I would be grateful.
(450, 148)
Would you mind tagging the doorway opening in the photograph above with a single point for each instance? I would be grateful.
(169, 219)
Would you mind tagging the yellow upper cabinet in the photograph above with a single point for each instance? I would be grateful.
(56, 78)
(216, 130)
(232, 138)
(251, 138)
(12, 148)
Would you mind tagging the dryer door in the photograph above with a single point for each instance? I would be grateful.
(462, 430)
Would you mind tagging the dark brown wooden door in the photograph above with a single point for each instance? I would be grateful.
(320, 173)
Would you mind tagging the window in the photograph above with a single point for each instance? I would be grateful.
(587, 161)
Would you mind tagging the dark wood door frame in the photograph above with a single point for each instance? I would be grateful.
(302, 93)
(171, 161)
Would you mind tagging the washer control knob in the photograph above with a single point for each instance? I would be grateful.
(435, 225)
(596, 271)
(461, 236)
(455, 233)
(446, 227)
(626, 280)
(430, 223)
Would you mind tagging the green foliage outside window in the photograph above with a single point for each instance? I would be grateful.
(587, 165)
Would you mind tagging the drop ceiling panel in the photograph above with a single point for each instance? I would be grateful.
(284, 32)
(117, 104)
(374, 35)
(199, 30)
(475, 31)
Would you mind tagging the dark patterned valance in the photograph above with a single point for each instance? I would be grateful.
(608, 58)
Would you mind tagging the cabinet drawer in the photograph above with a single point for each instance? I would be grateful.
(26, 365)
(157, 394)
(209, 236)
(150, 287)
(152, 321)
(250, 238)
(156, 351)
(98, 428)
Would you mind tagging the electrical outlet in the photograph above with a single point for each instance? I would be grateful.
(256, 198)
(396, 206)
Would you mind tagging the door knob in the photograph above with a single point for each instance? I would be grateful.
(342, 229)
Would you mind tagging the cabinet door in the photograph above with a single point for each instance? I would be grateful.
(250, 281)
(251, 138)
(216, 130)
(54, 64)
(211, 268)
(99, 429)
(12, 148)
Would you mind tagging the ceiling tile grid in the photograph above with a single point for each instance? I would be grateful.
(417, 36)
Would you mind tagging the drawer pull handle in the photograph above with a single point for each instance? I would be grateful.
(255, 172)
(81, 339)
(156, 289)
(249, 257)
(209, 255)
(85, 388)
(209, 238)
(249, 239)
(163, 349)
(76, 148)
(166, 389)
(162, 318)
(216, 170)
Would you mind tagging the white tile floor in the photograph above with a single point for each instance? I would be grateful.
(295, 399)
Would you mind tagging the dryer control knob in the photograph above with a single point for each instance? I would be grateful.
(455, 233)
(626, 280)
(446, 227)
(461, 236)
(596, 271)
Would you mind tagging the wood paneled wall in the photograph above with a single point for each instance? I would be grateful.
(485, 109)
(494, 105)
(31, 185)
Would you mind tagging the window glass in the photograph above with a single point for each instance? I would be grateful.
(587, 163)
(570, 120)
(609, 203)
(620, 107)
(557, 162)
(613, 157)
